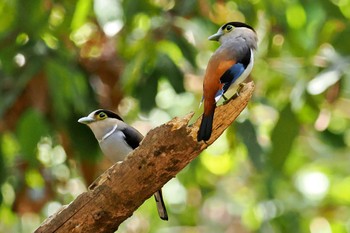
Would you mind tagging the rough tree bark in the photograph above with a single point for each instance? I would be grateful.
(119, 191)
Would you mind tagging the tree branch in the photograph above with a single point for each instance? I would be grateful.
(119, 191)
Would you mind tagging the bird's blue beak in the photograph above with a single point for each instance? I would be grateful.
(216, 36)
(86, 120)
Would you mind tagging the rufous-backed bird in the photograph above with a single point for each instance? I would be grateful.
(227, 68)
(117, 139)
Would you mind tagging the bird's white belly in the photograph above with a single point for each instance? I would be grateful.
(115, 147)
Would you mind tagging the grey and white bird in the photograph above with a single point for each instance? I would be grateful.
(117, 139)
(227, 68)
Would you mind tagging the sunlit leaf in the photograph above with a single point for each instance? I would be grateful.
(296, 16)
(82, 10)
(8, 13)
(34, 179)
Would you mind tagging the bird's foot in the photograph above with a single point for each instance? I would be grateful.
(240, 87)
(226, 100)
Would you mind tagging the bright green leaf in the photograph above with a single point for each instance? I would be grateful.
(82, 10)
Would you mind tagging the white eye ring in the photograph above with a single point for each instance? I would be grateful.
(229, 27)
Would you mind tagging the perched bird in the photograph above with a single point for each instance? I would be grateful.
(117, 140)
(227, 68)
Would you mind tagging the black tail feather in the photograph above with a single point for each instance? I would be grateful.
(160, 205)
(205, 128)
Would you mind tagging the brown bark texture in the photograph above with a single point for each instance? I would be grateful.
(120, 190)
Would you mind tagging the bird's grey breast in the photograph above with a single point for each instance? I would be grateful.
(115, 147)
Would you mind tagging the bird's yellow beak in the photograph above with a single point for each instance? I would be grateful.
(86, 120)
(216, 36)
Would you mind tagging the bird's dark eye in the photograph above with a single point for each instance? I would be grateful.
(102, 115)
(229, 28)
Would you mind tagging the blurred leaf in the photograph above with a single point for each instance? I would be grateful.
(247, 133)
(82, 10)
(219, 164)
(147, 86)
(282, 138)
(68, 88)
(287, 221)
(146, 91)
(34, 179)
(131, 9)
(335, 140)
(30, 128)
(35, 15)
(339, 38)
(187, 49)
(132, 73)
(8, 13)
(166, 68)
(296, 16)
(340, 191)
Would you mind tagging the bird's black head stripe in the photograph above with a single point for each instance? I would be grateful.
(110, 114)
(237, 25)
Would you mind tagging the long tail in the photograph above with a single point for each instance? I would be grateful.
(160, 205)
(205, 128)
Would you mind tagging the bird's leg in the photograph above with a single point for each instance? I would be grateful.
(225, 99)
(240, 87)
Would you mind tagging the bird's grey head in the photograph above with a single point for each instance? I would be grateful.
(101, 121)
(232, 30)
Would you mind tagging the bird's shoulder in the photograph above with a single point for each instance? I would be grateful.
(132, 136)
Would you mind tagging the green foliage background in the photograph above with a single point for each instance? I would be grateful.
(283, 166)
